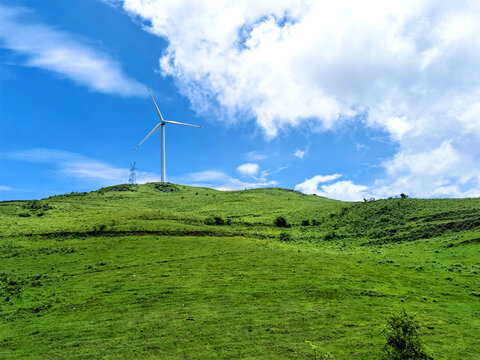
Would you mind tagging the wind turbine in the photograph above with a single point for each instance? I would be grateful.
(162, 125)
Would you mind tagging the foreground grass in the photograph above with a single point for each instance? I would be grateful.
(141, 276)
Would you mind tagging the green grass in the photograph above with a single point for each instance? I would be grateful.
(135, 272)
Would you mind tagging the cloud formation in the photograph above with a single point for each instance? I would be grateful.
(50, 49)
(255, 156)
(410, 68)
(99, 173)
(249, 169)
(344, 190)
(65, 163)
(300, 154)
(221, 181)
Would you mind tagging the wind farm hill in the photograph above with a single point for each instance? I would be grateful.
(174, 272)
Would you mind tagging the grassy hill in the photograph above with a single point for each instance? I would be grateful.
(176, 272)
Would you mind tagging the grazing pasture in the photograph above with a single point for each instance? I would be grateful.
(176, 272)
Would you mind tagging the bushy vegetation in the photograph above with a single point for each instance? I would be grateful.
(216, 220)
(121, 187)
(284, 236)
(403, 339)
(165, 187)
(281, 222)
(143, 274)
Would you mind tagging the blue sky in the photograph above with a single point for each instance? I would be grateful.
(340, 100)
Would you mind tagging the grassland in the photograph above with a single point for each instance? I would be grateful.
(135, 272)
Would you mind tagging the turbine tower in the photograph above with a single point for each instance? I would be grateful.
(162, 125)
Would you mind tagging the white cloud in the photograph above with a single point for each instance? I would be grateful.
(341, 190)
(235, 184)
(248, 169)
(361, 147)
(113, 3)
(221, 181)
(412, 67)
(300, 154)
(441, 171)
(51, 49)
(41, 155)
(79, 167)
(104, 173)
(208, 175)
(6, 188)
(309, 186)
(255, 156)
(99, 173)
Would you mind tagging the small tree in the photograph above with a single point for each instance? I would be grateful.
(403, 196)
(403, 339)
(280, 221)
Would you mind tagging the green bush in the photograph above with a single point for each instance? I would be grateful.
(24, 214)
(121, 187)
(403, 339)
(285, 237)
(280, 221)
(214, 220)
(36, 205)
(166, 187)
(305, 223)
(99, 228)
(330, 235)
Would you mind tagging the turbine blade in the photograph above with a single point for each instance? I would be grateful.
(179, 123)
(151, 132)
(156, 107)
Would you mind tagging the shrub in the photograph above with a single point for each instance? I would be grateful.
(280, 221)
(165, 187)
(284, 236)
(305, 223)
(100, 228)
(25, 214)
(315, 222)
(330, 235)
(214, 220)
(37, 206)
(403, 340)
(121, 187)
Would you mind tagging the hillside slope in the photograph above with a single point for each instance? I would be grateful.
(171, 271)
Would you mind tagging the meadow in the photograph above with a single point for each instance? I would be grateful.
(165, 271)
